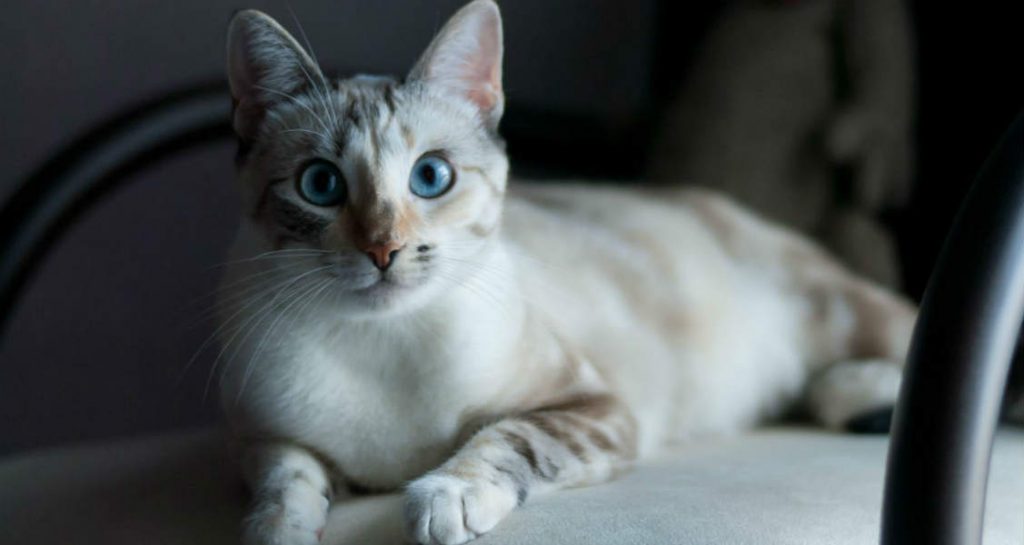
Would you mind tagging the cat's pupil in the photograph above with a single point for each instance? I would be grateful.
(429, 174)
(323, 182)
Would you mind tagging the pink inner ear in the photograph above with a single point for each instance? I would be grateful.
(465, 57)
(484, 83)
(484, 99)
(487, 91)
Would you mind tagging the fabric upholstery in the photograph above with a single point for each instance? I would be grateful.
(775, 486)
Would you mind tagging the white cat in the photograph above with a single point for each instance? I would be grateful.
(396, 315)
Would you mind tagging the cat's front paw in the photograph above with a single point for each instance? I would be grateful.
(442, 509)
(296, 517)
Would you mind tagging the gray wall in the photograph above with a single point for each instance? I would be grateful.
(98, 345)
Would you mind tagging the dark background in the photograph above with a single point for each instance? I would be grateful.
(99, 342)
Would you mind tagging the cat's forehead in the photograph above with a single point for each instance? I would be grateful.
(370, 115)
(368, 99)
(328, 114)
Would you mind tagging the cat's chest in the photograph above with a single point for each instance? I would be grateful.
(386, 432)
(381, 414)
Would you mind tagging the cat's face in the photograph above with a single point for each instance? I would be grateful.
(394, 188)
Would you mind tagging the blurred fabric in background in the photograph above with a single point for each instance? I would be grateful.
(802, 111)
(860, 122)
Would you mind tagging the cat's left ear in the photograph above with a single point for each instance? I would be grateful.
(266, 67)
(465, 58)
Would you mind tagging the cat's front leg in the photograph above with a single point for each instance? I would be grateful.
(291, 493)
(580, 441)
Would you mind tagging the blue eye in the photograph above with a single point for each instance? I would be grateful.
(320, 183)
(431, 177)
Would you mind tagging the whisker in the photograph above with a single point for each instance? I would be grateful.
(480, 266)
(213, 336)
(269, 333)
(472, 285)
(309, 46)
(327, 283)
(317, 133)
(511, 249)
(230, 294)
(255, 320)
(299, 102)
(223, 287)
(287, 252)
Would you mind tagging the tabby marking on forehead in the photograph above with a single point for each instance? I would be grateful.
(351, 115)
(408, 136)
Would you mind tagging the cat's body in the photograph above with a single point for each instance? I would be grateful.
(482, 347)
(697, 335)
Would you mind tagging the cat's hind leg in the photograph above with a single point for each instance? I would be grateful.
(868, 332)
(856, 333)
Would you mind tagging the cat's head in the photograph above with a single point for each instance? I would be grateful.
(395, 187)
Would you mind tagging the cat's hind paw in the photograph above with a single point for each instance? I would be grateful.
(443, 509)
(857, 396)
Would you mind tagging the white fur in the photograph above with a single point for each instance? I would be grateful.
(384, 397)
(701, 317)
(847, 389)
(289, 506)
(447, 510)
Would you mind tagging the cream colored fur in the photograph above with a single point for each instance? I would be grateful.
(527, 336)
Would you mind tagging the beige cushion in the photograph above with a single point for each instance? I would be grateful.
(787, 485)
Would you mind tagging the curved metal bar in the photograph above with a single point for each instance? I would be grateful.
(958, 363)
(93, 165)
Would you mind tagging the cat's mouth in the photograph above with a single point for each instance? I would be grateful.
(387, 289)
(384, 284)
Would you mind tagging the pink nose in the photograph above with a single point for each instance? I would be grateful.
(383, 255)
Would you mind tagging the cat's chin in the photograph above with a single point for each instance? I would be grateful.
(387, 297)
(382, 291)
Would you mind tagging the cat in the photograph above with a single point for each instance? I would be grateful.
(396, 315)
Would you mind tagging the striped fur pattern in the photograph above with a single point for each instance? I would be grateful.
(521, 338)
(583, 440)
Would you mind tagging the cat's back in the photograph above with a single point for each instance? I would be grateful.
(638, 231)
(648, 231)
(593, 256)
(595, 216)
(658, 285)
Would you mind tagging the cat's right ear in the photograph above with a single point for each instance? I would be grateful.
(265, 66)
(465, 59)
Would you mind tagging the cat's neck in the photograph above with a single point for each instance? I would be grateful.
(487, 299)
(470, 331)
(485, 307)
